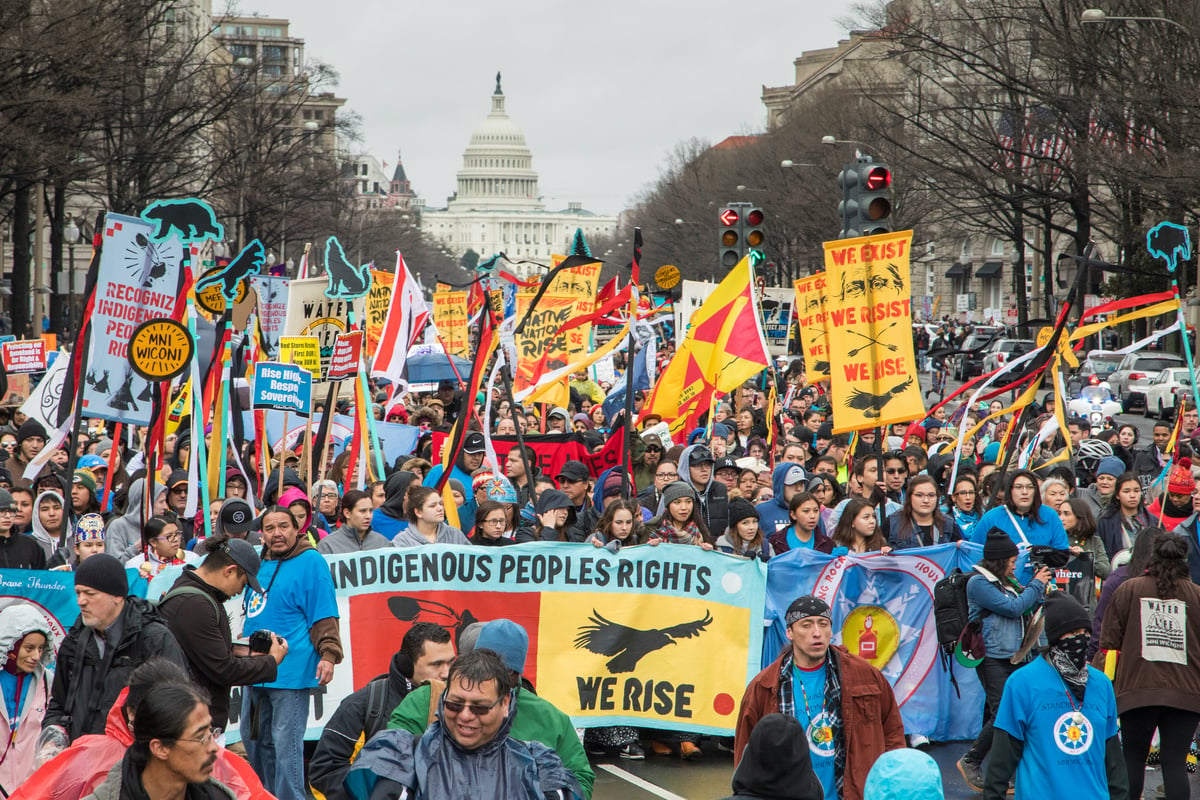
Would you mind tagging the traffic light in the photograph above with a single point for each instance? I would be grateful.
(875, 199)
(752, 229)
(730, 241)
(848, 208)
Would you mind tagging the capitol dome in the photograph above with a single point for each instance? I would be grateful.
(497, 170)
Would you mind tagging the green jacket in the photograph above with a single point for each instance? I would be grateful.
(536, 720)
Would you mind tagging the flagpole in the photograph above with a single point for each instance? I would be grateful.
(630, 344)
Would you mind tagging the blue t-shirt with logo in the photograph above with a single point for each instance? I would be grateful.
(299, 592)
(810, 684)
(794, 542)
(1061, 757)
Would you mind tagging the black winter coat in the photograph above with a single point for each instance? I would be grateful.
(340, 741)
(18, 551)
(86, 684)
(202, 631)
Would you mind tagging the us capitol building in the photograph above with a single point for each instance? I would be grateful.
(497, 207)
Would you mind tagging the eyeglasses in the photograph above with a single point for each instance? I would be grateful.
(169, 537)
(896, 471)
(179, 489)
(477, 709)
(494, 521)
(654, 449)
(666, 474)
(924, 496)
(965, 493)
(206, 738)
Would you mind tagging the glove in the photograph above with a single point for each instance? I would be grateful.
(52, 741)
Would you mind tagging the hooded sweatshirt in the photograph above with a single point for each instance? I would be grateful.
(773, 514)
(389, 519)
(50, 542)
(123, 536)
(293, 494)
(776, 764)
(713, 496)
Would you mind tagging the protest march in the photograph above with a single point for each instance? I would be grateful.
(322, 535)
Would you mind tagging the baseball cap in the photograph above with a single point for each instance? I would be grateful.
(242, 553)
(725, 463)
(794, 475)
(559, 412)
(92, 462)
(236, 516)
(473, 443)
(574, 471)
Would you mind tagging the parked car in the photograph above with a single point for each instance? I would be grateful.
(965, 366)
(1003, 351)
(1166, 391)
(1130, 379)
(1096, 404)
(1095, 368)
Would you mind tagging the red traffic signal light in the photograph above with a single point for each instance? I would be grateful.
(878, 178)
(729, 217)
(755, 217)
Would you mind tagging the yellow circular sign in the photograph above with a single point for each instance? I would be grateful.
(160, 349)
(1043, 337)
(212, 299)
(872, 633)
(667, 276)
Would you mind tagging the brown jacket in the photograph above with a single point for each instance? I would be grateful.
(870, 716)
(1140, 683)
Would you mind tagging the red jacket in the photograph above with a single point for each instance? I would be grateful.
(870, 716)
(77, 771)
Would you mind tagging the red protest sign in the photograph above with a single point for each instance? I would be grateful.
(347, 351)
(24, 356)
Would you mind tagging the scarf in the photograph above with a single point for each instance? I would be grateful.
(1069, 658)
(689, 535)
(833, 709)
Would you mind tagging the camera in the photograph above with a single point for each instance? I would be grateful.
(261, 642)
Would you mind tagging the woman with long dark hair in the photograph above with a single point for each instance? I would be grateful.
(1154, 623)
(920, 522)
(1002, 607)
(1080, 525)
(619, 526)
(1022, 516)
(1125, 516)
(858, 530)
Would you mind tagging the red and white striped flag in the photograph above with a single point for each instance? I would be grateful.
(406, 319)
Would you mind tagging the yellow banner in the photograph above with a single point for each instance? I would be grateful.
(379, 297)
(873, 375)
(811, 317)
(450, 317)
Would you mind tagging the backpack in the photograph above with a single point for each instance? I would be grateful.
(955, 630)
(182, 590)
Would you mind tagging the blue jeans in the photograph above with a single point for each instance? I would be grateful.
(277, 755)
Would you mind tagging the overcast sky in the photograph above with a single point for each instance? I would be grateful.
(603, 91)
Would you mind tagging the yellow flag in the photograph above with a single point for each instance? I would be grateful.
(872, 367)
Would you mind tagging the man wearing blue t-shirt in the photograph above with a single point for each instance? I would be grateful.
(298, 603)
(1056, 729)
(844, 704)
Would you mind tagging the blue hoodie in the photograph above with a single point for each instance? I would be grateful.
(598, 493)
(773, 515)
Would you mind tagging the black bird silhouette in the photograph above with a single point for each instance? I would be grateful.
(630, 645)
(345, 279)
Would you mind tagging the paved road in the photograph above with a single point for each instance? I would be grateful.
(670, 778)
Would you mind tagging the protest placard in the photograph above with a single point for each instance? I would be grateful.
(285, 387)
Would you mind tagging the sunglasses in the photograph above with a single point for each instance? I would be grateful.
(477, 709)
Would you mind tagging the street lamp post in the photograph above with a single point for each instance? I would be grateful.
(70, 239)
(1097, 15)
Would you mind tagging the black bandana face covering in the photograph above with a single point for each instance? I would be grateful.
(1075, 649)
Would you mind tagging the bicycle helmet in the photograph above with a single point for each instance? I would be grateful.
(1091, 452)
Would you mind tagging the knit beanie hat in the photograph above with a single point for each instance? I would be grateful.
(103, 573)
(1110, 465)
(675, 490)
(1064, 614)
(998, 546)
(740, 509)
(30, 427)
(1180, 480)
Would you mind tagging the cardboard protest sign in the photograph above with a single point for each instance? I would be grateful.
(810, 313)
(303, 351)
(284, 387)
(24, 356)
(347, 354)
(311, 313)
(450, 317)
(379, 297)
(138, 279)
(271, 306)
(873, 375)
